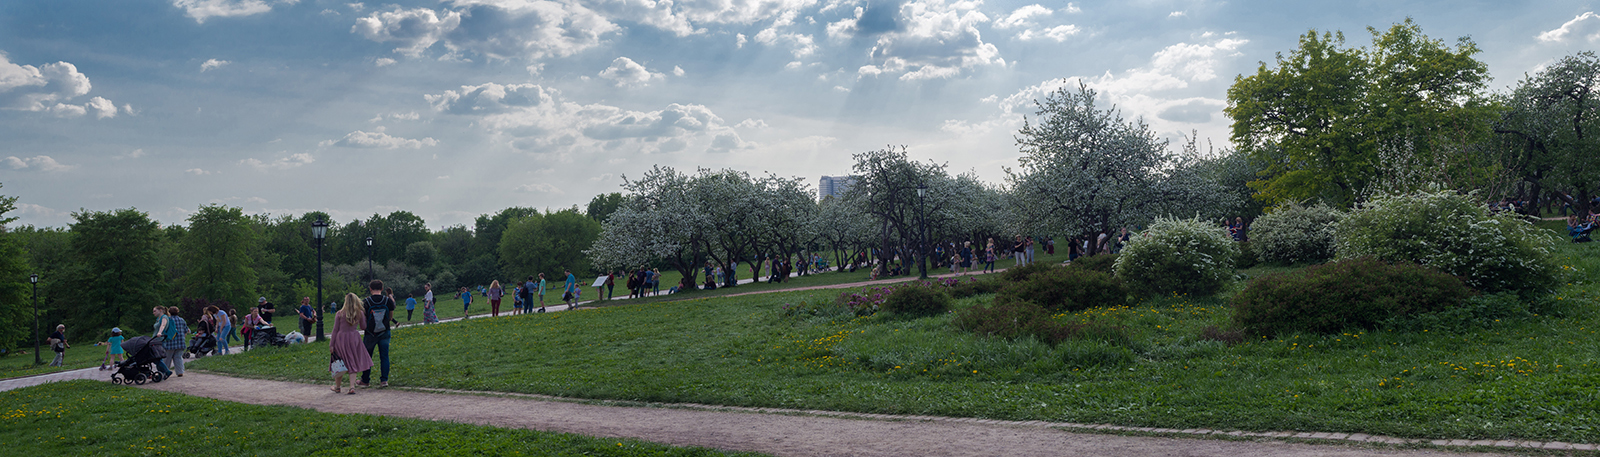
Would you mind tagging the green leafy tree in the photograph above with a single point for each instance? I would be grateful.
(548, 243)
(601, 206)
(487, 230)
(15, 303)
(120, 277)
(221, 251)
(1318, 120)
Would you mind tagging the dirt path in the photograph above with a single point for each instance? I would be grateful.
(783, 433)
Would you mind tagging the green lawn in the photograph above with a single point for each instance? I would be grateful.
(1532, 378)
(81, 355)
(96, 418)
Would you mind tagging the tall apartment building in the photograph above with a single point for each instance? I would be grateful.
(834, 186)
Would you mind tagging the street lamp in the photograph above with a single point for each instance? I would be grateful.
(319, 232)
(34, 278)
(922, 202)
(370, 276)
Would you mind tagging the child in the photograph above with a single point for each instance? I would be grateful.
(466, 301)
(411, 305)
(114, 349)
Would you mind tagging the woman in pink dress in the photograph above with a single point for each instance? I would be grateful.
(348, 354)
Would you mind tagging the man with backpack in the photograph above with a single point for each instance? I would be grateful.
(380, 320)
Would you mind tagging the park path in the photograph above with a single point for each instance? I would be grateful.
(772, 431)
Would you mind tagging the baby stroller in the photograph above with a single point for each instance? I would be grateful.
(265, 336)
(201, 346)
(141, 364)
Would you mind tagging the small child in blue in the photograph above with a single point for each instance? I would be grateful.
(114, 351)
(411, 305)
(466, 301)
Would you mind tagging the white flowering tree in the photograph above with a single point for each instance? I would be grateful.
(886, 188)
(1553, 128)
(844, 227)
(658, 221)
(1085, 170)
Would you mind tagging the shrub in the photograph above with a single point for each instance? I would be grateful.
(917, 300)
(1104, 263)
(1351, 293)
(1022, 273)
(1477, 312)
(974, 286)
(1247, 256)
(1067, 289)
(1013, 320)
(1296, 233)
(1185, 256)
(1447, 231)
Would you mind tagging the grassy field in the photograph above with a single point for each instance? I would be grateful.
(1531, 378)
(95, 418)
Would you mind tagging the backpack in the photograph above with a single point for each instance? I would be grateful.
(378, 315)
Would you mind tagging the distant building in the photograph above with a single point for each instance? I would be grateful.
(834, 186)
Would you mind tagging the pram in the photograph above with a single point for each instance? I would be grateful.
(141, 364)
(265, 336)
(201, 346)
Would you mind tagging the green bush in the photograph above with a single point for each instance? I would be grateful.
(917, 300)
(1347, 294)
(1482, 311)
(1296, 233)
(1067, 289)
(1013, 320)
(1104, 263)
(1247, 256)
(975, 286)
(1186, 256)
(1022, 273)
(1449, 232)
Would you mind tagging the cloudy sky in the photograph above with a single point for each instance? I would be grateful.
(454, 108)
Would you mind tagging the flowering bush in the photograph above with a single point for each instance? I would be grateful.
(1449, 232)
(1346, 294)
(1185, 256)
(867, 301)
(1296, 233)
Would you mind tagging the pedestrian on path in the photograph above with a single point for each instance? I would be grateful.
(465, 295)
(346, 352)
(538, 288)
(495, 292)
(58, 343)
(176, 342)
(224, 329)
(411, 304)
(380, 319)
(429, 315)
(164, 330)
(113, 349)
(570, 289)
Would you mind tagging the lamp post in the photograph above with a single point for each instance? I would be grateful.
(34, 278)
(370, 276)
(922, 217)
(319, 232)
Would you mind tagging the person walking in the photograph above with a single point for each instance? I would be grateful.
(163, 331)
(569, 289)
(380, 319)
(611, 284)
(58, 343)
(346, 353)
(429, 315)
(466, 302)
(495, 292)
(538, 288)
(411, 304)
(177, 342)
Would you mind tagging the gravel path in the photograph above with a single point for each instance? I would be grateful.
(783, 434)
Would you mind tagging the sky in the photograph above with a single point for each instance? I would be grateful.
(455, 108)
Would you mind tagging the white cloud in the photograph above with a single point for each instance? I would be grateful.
(727, 142)
(937, 40)
(1022, 17)
(201, 10)
(1580, 25)
(624, 72)
(498, 29)
(282, 163)
(689, 17)
(101, 107)
(739, 40)
(757, 124)
(1178, 14)
(407, 116)
(35, 163)
(384, 62)
(377, 140)
(677, 71)
(603, 177)
(1059, 33)
(212, 64)
(136, 153)
(256, 200)
(531, 118)
(490, 98)
(49, 88)
(543, 188)
(198, 172)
